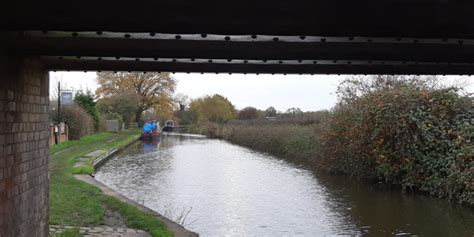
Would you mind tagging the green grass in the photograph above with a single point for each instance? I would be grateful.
(83, 169)
(134, 218)
(84, 141)
(75, 203)
(74, 232)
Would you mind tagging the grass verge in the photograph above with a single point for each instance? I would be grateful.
(68, 233)
(115, 143)
(76, 203)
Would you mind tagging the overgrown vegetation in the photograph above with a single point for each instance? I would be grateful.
(406, 131)
(76, 203)
(86, 101)
(295, 138)
(79, 122)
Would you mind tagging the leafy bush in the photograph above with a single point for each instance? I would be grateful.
(79, 122)
(86, 101)
(404, 131)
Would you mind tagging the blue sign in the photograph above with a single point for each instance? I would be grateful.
(66, 98)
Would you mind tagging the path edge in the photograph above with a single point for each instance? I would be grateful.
(177, 229)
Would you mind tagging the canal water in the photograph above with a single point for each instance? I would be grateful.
(220, 189)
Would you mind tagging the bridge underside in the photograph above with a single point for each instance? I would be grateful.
(308, 36)
(264, 36)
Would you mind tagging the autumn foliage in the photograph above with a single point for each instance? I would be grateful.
(79, 122)
(404, 131)
(214, 109)
(143, 90)
(248, 113)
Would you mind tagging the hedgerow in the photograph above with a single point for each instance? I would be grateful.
(407, 132)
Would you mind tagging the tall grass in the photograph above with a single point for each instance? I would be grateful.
(299, 143)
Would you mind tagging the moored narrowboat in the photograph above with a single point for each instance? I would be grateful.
(151, 131)
(169, 126)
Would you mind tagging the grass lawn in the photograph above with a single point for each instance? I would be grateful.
(75, 203)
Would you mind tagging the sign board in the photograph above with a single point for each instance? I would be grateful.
(66, 98)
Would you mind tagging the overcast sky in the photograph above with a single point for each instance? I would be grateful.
(309, 93)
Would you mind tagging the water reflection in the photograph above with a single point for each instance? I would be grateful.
(381, 211)
(235, 191)
(151, 145)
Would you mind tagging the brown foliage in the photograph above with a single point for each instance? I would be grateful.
(216, 108)
(248, 113)
(407, 132)
(80, 123)
(152, 90)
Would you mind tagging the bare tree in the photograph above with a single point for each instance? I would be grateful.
(182, 100)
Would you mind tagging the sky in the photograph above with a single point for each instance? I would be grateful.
(309, 93)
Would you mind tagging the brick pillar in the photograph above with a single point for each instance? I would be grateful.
(24, 148)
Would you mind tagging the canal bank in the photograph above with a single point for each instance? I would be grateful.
(80, 204)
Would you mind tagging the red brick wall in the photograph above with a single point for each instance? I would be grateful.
(24, 136)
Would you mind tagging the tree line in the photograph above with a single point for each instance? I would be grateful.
(128, 96)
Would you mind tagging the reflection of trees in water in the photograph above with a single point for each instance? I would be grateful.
(173, 140)
(381, 210)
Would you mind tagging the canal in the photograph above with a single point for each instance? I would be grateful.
(222, 189)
